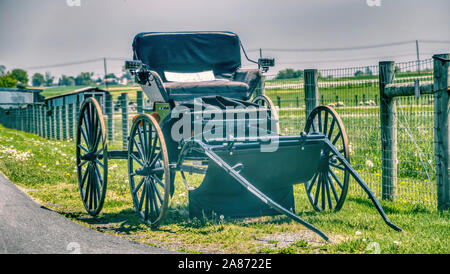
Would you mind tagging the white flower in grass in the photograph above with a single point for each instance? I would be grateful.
(112, 167)
(357, 233)
(397, 243)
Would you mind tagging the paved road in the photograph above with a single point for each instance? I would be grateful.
(27, 227)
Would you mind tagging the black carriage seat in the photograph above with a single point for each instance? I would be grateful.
(196, 52)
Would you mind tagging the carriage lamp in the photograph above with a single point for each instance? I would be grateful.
(265, 63)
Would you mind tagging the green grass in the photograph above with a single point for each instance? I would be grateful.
(45, 170)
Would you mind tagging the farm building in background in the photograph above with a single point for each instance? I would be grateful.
(14, 97)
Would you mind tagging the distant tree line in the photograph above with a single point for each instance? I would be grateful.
(19, 78)
(289, 73)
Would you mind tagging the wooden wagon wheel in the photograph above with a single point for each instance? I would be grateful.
(264, 101)
(329, 185)
(92, 156)
(148, 170)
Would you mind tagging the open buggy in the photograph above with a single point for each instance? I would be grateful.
(207, 116)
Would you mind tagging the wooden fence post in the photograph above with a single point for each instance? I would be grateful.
(27, 118)
(388, 126)
(70, 120)
(124, 106)
(41, 122)
(140, 101)
(110, 114)
(58, 122)
(441, 133)
(52, 121)
(311, 90)
(260, 88)
(48, 118)
(64, 120)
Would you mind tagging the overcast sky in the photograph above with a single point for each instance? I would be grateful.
(45, 32)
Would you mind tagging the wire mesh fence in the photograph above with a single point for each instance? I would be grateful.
(353, 92)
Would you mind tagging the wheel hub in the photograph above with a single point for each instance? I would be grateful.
(324, 161)
(90, 156)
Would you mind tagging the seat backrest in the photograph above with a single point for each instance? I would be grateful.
(187, 52)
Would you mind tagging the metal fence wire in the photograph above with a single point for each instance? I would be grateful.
(353, 92)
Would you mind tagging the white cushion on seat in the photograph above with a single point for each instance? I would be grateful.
(189, 77)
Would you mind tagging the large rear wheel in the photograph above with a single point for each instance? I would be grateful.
(329, 185)
(92, 156)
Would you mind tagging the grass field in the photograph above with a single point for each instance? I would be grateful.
(45, 169)
(353, 229)
(360, 113)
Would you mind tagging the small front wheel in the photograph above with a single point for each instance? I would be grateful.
(264, 101)
(148, 170)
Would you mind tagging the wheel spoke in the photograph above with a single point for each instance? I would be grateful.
(323, 191)
(141, 201)
(336, 179)
(89, 119)
(99, 163)
(158, 180)
(325, 181)
(83, 148)
(141, 140)
(98, 138)
(147, 200)
(88, 185)
(155, 159)
(313, 125)
(136, 189)
(316, 198)
(91, 190)
(330, 133)
(86, 125)
(158, 194)
(325, 123)
(154, 145)
(99, 176)
(83, 180)
(136, 159)
(95, 190)
(83, 133)
(337, 166)
(145, 147)
(336, 138)
(319, 117)
(153, 202)
(312, 182)
(138, 147)
(333, 189)
(82, 163)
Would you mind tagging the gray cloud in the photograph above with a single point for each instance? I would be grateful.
(45, 32)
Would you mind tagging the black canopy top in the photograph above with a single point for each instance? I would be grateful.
(185, 52)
